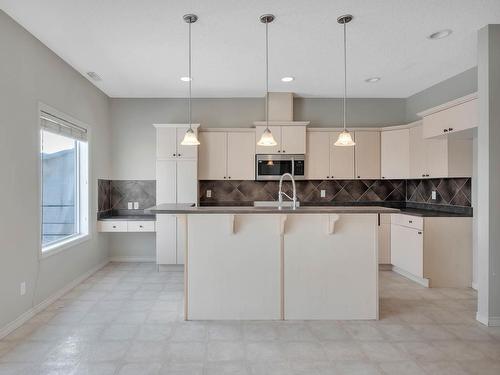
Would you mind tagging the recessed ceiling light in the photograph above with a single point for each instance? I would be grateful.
(287, 79)
(372, 79)
(185, 79)
(440, 34)
(94, 76)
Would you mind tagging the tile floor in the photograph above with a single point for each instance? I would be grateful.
(127, 319)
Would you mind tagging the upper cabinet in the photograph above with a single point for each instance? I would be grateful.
(168, 142)
(326, 161)
(367, 154)
(439, 157)
(395, 153)
(227, 155)
(291, 139)
(451, 117)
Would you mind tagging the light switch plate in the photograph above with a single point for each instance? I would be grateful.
(209, 193)
(322, 193)
(136, 205)
(433, 195)
(130, 205)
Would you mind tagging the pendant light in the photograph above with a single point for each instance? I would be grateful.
(267, 138)
(345, 138)
(190, 137)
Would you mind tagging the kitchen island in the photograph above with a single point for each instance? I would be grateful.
(268, 264)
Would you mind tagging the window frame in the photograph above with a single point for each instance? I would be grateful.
(84, 234)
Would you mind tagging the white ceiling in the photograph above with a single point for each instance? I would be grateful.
(139, 48)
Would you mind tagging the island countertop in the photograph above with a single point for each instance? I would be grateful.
(190, 209)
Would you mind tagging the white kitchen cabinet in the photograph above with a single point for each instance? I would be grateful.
(168, 142)
(318, 155)
(213, 156)
(367, 154)
(446, 156)
(395, 154)
(433, 251)
(384, 239)
(176, 182)
(341, 159)
(241, 155)
(451, 117)
(324, 160)
(125, 226)
(227, 155)
(291, 139)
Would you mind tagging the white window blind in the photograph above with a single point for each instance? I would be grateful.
(57, 125)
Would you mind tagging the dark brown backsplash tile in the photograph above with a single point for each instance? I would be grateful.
(450, 191)
(115, 194)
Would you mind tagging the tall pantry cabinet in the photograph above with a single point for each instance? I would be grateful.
(176, 182)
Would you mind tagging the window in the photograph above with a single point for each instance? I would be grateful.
(64, 181)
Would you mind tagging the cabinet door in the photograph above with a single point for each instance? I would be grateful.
(436, 154)
(341, 159)
(276, 131)
(166, 239)
(418, 153)
(367, 154)
(407, 249)
(166, 139)
(241, 155)
(185, 152)
(166, 191)
(395, 153)
(384, 243)
(463, 116)
(187, 182)
(212, 160)
(318, 155)
(293, 139)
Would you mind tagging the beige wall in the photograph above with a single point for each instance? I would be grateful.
(30, 73)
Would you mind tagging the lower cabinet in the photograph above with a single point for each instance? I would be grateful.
(170, 239)
(433, 251)
(126, 226)
(384, 239)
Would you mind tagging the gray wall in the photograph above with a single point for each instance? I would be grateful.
(30, 73)
(455, 87)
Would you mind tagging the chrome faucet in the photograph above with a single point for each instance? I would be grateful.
(281, 193)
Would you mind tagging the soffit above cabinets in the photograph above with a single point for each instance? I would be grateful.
(140, 49)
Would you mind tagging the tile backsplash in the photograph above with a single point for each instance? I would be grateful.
(449, 191)
(115, 194)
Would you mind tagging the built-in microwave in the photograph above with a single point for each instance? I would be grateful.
(271, 167)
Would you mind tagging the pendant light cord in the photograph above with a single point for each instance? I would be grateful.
(345, 74)
(267, 75)
(190, 78)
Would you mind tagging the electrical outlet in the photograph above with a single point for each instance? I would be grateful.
(322, 193)
(23, 288)
(130, 205)
(136, 205)
(209, 193)
(433, 195)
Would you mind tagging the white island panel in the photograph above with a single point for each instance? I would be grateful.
(233, 267)
(331, 274)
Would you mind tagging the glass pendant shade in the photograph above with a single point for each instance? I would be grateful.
(345, 139)
(267, 139)
(190, 138)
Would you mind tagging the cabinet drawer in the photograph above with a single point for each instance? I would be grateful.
(141, 226)
(112, 226)
(415, 222)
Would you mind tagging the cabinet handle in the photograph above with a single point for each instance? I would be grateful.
(419, 232)
(229, 177)
(382, 177)
(178, 154)
(445, 130)
(173, 154)
(279, 151)
(114, 226)
(410, 221)
(224, 177)
(426, 175)
(423, 175)
(450, 129)
(284, 151)
(359, 176)
(140, 226)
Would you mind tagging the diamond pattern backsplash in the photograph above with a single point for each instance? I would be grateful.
(449, 191)
(115, 194)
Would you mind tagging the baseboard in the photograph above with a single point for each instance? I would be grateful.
(171, 267)
(493, 321)
(419, 280)
(131, 259)
(385, 267)
(23, 318)
(474, 286)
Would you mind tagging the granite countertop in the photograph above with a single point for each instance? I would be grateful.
(148, 217)
(191, 209)
(432, 213)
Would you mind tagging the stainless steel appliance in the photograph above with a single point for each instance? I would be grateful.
(272, 167)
